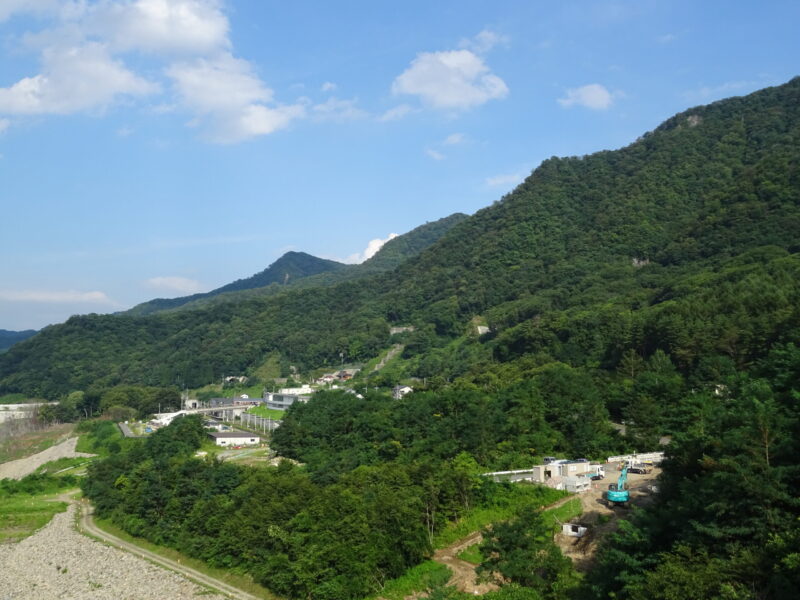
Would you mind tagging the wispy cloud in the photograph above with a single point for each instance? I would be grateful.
(335, 109)
(706, 93)
(593, 96)
(484, 41)
(398, 112)
(4, 124)
(328, 86)
(505, 180)
(454, 139)
(434, 154)
(56, 297)
(182, 285)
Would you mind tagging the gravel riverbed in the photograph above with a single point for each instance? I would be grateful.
(57, 562)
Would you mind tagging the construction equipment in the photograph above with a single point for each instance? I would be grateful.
(618, 493)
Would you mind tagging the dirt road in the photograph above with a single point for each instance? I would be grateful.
(464, 577)
(87, 525)
(17, 469)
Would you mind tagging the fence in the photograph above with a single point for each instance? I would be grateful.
(259, 423)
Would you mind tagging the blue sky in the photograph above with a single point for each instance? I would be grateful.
(154, 148)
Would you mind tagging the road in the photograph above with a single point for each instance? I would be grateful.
(87, 525)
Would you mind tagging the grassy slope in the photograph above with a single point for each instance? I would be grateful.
(30, 443)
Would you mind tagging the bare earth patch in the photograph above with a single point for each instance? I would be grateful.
(17, 469)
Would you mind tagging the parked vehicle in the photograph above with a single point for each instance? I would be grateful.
(640, 469)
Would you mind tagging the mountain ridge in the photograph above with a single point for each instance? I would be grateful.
(588, 259)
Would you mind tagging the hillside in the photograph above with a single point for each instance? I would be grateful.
(9, 338)
(288, 268)
(685, 242)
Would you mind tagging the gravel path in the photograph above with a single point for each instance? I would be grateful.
(17, 469)
(59, 563)
(88, 525)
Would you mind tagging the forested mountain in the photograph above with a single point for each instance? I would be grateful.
(298, 269)
(9, 338)
(685, 242)
(288, 268)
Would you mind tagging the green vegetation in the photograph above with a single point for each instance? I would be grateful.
(27, 444)
(504, 507)
(16, 399)
(27, 504)
(562, 514)
(63, 466)
(425, 576)
(472, 554)
(100, 437)
(9, 338)
(263, 411)
(522, 551)
(24, 514)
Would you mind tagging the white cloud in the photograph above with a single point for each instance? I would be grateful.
(229, 98)
(328, 86)
(220, 84)
(593, 96)
(483, 42)
(82, 67)
(454, 139)
(454, 79)
(372, 248)
(73, 79)
(434, 154)
(666, 38)
(124, 131)
(509, 179)
(55, 297)
(181, 285)
(334, 109)
(171, 26)
(398, 112)
(4, 124)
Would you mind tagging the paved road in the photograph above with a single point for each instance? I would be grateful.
(87, 525)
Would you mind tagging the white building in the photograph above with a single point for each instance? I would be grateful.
(399, 391)
(234, 438)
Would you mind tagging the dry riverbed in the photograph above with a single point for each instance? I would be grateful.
(59, 563)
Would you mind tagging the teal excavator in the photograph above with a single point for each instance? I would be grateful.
(618, 493)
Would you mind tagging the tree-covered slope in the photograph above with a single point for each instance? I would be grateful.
(9, 338)
(684, 242)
